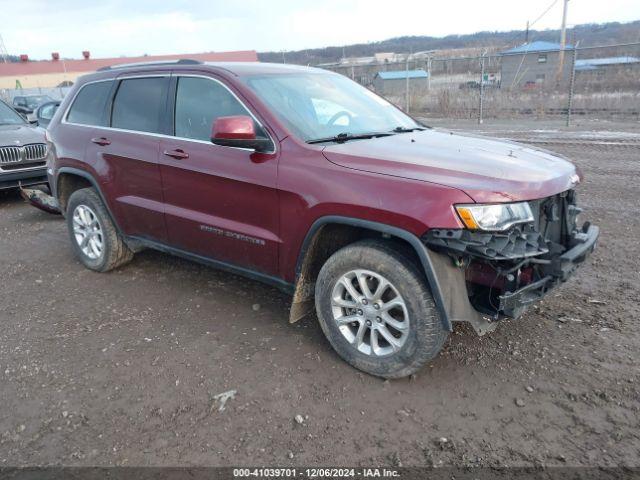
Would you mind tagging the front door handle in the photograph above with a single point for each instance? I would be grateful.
(178, 154)
(101, 141)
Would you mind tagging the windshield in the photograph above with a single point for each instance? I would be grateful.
(34, 101)
(323, 105)
(9, 117)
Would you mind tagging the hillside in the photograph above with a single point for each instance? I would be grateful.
(588, 35)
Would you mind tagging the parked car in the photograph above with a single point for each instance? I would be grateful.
(470, 85)
(25, 105)
(44, 113)
(394, 231)
(23, 150)
(475, 85)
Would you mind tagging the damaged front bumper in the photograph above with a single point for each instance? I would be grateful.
(41, 200)
(512, 304)
(487, 276)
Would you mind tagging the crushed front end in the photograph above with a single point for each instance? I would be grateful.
(506, 271)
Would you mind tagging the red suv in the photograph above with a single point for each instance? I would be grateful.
(305, 180)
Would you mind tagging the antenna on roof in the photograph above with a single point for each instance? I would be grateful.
(3, 51)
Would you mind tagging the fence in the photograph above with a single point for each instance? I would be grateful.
(57, 93)
(593, 82)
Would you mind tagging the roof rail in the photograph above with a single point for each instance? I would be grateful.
(182, 61)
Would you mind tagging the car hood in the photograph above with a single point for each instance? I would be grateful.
(487, 170)
(17, 135)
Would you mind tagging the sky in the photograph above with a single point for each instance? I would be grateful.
(113, 28)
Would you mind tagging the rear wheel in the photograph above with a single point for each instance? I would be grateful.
(376, 310)
(94, 238)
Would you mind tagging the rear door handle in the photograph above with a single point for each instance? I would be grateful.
(178, 154)
(101, 141)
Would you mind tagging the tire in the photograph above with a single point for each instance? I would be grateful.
(113, 252)
(414, 343)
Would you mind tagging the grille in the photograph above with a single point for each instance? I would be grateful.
(10, 155)
(36, 151)
(555, 216)
(28, 153)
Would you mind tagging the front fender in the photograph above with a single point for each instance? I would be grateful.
(302, 294)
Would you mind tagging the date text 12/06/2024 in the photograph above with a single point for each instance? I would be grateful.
(316, 473)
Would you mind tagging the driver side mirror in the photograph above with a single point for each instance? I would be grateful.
(238, 131)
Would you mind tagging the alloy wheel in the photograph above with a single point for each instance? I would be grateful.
(88, 232)
(370, 313)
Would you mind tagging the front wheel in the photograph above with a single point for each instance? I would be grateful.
(376, 310)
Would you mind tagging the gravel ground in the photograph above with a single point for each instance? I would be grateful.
(165, 362)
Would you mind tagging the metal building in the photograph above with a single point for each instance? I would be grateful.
(535, 65)
(395, 82)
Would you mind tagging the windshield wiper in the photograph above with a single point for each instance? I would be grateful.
(407, 130)
(344, 137)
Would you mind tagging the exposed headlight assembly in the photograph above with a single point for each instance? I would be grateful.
(494, 218)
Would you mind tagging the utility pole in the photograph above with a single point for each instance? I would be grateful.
(407, 85)
(563, 41)
(572, 83)
(526, 36)
(4, 55)
(481, 105)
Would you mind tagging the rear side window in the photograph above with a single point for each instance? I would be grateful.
(88, 106)
(139, 104)
(199, 101)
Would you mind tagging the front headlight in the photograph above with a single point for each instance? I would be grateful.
(494, 218)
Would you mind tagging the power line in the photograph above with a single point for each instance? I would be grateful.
(531, 24)
(553, 4)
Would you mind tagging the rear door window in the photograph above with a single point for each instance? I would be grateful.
(89, 105)
(139, 104)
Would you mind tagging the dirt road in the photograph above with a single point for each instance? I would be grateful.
(124, 368)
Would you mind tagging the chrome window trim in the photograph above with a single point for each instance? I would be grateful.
(162, 135)
(151, 134)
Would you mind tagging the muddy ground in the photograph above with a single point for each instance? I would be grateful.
(124, 368)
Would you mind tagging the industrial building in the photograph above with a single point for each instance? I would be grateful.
(600, 65)
(535, 64)
(60, 72)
